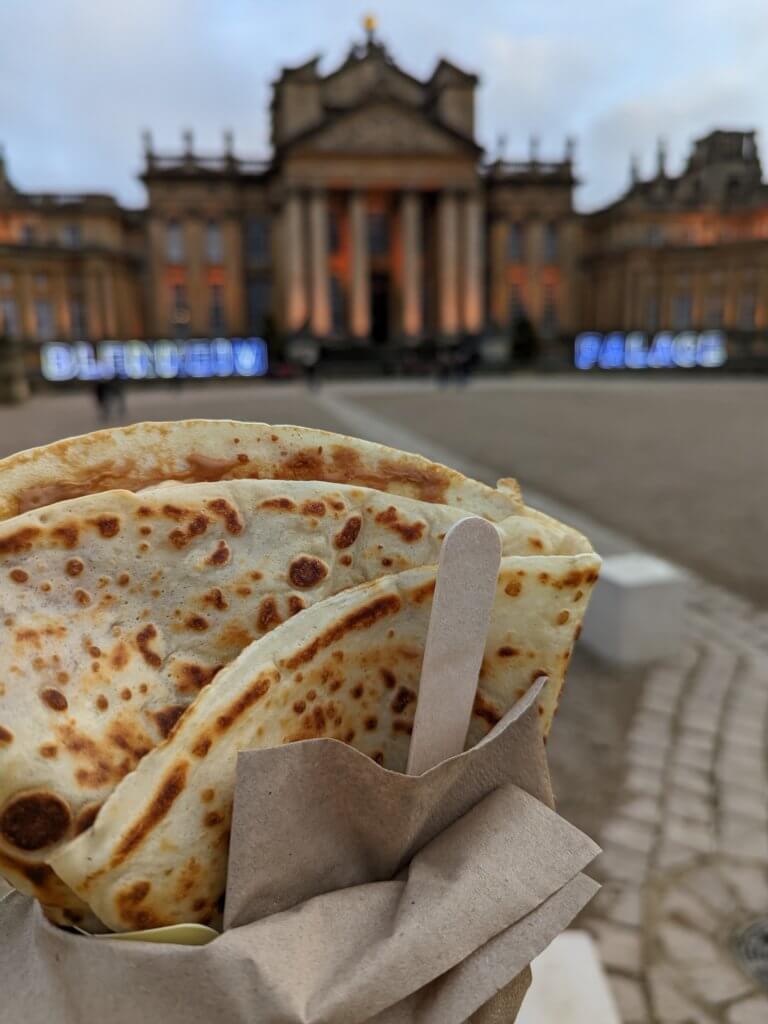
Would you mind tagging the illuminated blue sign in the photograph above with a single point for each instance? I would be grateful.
(636, 351)
(149, 360)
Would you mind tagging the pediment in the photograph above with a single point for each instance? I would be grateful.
(356, 80)
(382, 128)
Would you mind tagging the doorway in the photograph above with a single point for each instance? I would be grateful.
(380, 302)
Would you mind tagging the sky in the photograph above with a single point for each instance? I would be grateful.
(80, 79)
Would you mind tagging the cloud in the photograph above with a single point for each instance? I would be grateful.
(79, 80)
(723, 98)
(526, 80)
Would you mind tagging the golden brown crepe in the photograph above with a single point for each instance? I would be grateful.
(119, 607)
(347, 668)
(196, 451)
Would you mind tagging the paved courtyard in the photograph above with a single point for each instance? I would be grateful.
(667, 767)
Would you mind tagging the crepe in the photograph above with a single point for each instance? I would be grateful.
(348, 668)
(194, 451)
(119, 607)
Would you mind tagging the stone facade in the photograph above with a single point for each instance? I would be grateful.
(377, 220)
(684, 252)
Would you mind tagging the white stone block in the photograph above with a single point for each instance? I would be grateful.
(569, 985)
(636, 612)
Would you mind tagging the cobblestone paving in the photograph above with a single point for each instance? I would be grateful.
(685, 862)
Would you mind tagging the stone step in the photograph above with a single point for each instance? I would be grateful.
(569, 985)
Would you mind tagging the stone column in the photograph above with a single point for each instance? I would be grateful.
(474, 264)
(448, 264)
(294, 263)
(411, 215)
(499, 297)
(318, 232)
(360, 279)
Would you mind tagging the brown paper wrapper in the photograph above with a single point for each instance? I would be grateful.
(354, 895)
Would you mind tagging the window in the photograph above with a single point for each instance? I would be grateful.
(338, 306)
(655, 235)
(516, 243)
(179, 309)
(682, 306)
(41, 281)
(259, 303)
(334, 235)
(216, 313)
(550, 243)
(45, 327)
(9, 319)
(714, 315)
(378, 234)
(179, 296)
(257, 239)
(6, 282)
(747, 306)
(516, 304)
(28, 234)
(549, 313)
(71, 236)
(174, 242)
(78, 325)
(651, 311)
(214, 246)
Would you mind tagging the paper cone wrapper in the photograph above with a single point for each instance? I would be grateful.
(355, 894)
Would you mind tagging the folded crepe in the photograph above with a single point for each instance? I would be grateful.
(348, 669)
(197, 451)
(119, 607)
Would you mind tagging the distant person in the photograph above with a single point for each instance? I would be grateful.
(305, 352)
(110, 397)
(444, 364)
(101, 396)
(466, 360)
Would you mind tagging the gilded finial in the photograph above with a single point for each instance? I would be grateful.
(370, 25)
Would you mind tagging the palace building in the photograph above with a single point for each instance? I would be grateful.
(377, 220)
